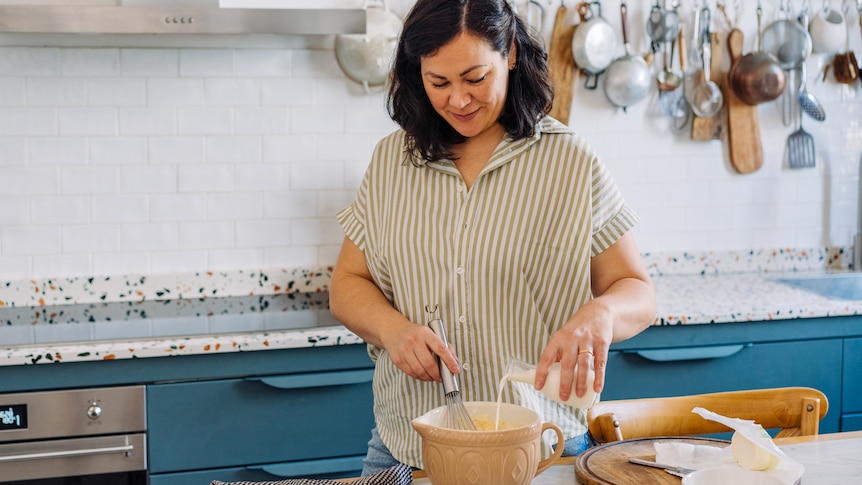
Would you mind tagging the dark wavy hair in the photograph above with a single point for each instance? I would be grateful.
(430, 25)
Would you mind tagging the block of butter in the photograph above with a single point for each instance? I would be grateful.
(751, 446)
(751, 455)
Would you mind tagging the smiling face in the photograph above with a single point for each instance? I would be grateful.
(466, 81)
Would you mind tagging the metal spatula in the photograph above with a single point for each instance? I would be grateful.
(800, 143)
(800, 149)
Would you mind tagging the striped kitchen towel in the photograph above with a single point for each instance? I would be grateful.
(397, 475)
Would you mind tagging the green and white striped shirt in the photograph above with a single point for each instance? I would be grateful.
(507, 262)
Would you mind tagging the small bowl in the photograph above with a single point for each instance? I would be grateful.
(724, 476)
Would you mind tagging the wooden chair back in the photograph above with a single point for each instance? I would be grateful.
(797, 411)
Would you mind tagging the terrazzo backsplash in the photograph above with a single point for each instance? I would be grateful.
(751, 261)
(147, 306)
(137, 289)
(153, 306)
(162, 287)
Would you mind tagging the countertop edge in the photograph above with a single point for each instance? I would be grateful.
(177, 346)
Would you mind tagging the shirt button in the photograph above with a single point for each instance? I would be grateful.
(462, 319)
(459, 270)
(466, 366)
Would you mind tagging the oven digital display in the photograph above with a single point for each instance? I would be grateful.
(13, 416)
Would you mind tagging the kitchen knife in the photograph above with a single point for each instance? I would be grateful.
(673, 470)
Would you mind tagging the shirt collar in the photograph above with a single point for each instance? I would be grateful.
(509, 149)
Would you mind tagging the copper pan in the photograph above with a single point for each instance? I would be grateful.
(757, 77)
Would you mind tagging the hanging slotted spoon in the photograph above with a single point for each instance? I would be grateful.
(800, 143)
(808, 102)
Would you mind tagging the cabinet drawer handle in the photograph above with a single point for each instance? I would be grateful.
(689, 353)
(312, 467)
(317, 379)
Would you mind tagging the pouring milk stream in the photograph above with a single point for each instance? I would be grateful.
(518, 371)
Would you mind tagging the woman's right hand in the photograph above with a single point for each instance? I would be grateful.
(415, 349)
(357, 302)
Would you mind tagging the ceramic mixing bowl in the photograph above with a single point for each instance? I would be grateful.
(495, 457)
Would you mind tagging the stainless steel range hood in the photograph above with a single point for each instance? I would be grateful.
(312, 17)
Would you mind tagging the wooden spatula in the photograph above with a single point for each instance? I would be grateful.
(745, 149)
(561, 66)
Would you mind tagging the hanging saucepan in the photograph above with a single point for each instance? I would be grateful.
(366, 58)
(594, 43)
(627, 79)
(757, 77)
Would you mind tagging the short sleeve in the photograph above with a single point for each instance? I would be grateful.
(352, 218)
(352, 226)
(611, 216)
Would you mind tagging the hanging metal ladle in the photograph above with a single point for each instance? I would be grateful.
(668, 78)
(706, 99)
(681, 111)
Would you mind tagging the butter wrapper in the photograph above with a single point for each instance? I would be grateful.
(785, 468)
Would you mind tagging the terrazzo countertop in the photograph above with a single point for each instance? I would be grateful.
(691, 289)
(741, 297)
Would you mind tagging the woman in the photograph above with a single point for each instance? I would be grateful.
(500, 216)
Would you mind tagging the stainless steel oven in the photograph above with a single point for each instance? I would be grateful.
(80, 436)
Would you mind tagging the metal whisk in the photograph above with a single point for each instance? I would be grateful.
(457, 416)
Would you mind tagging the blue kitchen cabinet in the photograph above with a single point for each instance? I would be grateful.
(286, 425)
(305, 421)
(851, 406)
(673, 372)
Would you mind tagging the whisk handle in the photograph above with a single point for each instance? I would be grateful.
(450, 382)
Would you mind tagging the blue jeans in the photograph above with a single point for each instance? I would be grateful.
(379, 458)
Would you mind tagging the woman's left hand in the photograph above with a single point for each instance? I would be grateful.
(582, 343)
(623, 306)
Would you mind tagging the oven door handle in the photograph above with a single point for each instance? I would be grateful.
(126, 449)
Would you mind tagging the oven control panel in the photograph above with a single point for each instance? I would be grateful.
(72, 412)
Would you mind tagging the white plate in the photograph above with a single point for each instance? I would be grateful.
(725, 476)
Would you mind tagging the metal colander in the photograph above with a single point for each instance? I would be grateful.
(366, 58)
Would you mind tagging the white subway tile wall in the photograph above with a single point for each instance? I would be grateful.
(121, 160)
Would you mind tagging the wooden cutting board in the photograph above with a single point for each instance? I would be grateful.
(745, 149)
(561, 66)
(705, 129)
(608, 464)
